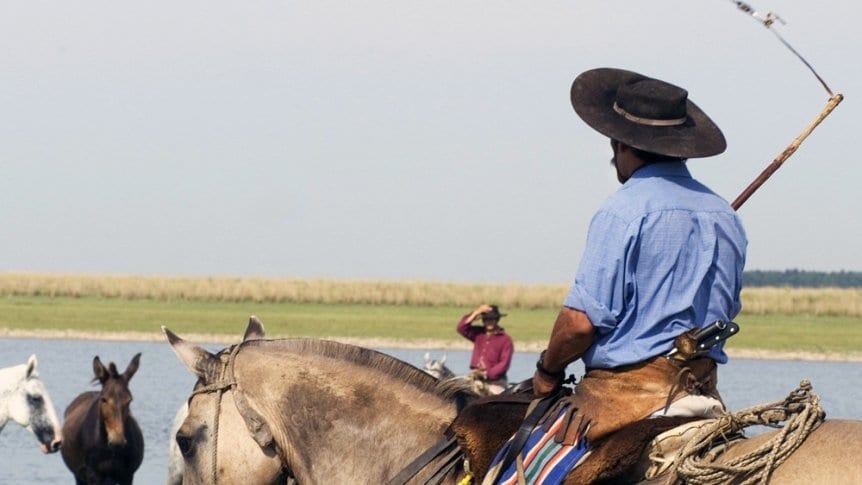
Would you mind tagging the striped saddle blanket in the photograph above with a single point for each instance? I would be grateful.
(545, 461)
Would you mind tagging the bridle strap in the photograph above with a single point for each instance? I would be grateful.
(213, 461)
(220, 387)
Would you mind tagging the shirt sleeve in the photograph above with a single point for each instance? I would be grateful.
(469, 332)
(500, 368)
(602, 287)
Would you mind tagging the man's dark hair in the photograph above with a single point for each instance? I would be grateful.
(649, 157)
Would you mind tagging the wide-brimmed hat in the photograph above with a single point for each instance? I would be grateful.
(493, 314)
(645, 113)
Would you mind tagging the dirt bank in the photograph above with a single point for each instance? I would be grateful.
(382, 343)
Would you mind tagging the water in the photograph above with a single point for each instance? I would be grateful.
(162, 383)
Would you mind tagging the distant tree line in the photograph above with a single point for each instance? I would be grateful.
(803, 279)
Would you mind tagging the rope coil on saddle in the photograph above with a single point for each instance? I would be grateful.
(800, 412)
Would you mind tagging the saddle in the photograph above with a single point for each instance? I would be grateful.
(605, 402)
(645, 445)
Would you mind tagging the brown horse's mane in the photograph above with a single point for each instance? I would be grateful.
(391, 366)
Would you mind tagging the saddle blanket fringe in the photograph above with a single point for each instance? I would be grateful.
(545, 461)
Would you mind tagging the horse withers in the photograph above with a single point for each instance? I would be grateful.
(104, 443)
(24, 400)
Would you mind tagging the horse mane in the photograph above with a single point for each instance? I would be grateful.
(361, 356)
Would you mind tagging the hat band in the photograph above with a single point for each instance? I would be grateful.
(648, 121)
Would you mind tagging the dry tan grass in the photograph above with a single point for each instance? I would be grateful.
(787, 301)
(256, 289)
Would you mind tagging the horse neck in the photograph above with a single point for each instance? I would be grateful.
(334, 420)
(10, 383)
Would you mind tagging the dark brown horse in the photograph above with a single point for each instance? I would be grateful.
(103, 443)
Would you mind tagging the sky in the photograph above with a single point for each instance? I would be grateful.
(396, 140)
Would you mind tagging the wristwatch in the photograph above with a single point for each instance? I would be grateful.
(540, 365)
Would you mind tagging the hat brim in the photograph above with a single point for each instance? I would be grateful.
(593, 95)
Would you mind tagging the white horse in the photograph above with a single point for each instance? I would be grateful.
(23, 399)
(438, 369)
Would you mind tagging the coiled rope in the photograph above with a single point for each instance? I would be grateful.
(800, 412)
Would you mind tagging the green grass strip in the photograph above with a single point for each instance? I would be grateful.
(820, 334)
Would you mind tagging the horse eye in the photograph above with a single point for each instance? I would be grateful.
(33, 399)
(185, 444)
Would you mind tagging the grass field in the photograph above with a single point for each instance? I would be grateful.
(528, 327)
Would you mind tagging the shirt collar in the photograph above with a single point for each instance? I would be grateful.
(662, 169)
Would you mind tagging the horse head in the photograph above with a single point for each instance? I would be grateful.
(437, 367)
(28, 404)
(115, 397)
(212, 410)
(314, 410)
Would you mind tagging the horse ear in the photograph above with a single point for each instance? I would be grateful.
(133, 367)
(443, 359)
(100, 371)
(31, 366)
(200, 362)
(427, 357)
(255, 330)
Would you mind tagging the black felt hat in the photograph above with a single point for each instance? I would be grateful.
(645, 113)
(493, 314)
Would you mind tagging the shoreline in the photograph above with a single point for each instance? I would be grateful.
(384, 343)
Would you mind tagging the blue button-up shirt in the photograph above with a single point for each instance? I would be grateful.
(664, 254)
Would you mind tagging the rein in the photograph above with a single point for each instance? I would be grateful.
(447, 448)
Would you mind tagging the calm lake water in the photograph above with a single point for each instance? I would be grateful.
(162, 384)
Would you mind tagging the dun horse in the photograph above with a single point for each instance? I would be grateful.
(266, 411)
(103, 441)
(24, 400)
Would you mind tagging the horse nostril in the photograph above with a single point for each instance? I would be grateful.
(56, 444)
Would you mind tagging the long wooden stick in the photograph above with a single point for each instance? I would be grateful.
(776, 164)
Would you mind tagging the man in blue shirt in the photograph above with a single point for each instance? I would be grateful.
(664, 255)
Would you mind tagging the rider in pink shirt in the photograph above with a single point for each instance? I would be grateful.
(492, 346)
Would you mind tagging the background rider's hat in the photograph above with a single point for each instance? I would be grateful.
(645, 113)
(494, 314)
